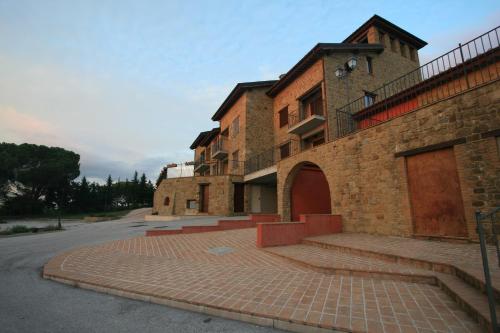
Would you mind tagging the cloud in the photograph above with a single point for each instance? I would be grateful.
(25, 127)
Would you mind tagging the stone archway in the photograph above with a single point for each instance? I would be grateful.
(307, 191)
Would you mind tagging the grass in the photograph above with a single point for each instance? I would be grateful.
(22, 229)
(115, 214)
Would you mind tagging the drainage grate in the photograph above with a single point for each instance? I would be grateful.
(220, 250)
(138, 225)
(161, 227)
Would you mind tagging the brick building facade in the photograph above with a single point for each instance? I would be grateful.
(359, 129)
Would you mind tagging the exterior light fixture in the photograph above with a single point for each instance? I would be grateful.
(351, 63)
(339, 72)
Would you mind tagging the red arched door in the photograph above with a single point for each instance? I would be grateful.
(310, 193)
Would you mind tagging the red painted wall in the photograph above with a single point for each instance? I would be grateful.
(319, 224)
(280, 233)
(310, 193)
(265, 218)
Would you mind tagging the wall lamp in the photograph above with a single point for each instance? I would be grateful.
(348, 67)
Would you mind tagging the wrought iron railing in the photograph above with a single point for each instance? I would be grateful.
(465, 67)
(488, 229)
(221, 144)
(296, 117)
(271, 156)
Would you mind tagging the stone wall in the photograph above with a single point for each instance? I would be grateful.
(258, 127)
(179, 190)
(368, 182)
(387, 66)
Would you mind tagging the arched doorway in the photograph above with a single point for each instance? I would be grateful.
(309, 193)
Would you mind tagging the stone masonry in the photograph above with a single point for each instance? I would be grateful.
(368, 183)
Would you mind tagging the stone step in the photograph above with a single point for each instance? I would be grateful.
(331, 261)
(338, 262)
(470, 275)
(468, 298)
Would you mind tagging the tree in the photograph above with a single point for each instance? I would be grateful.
(108, 198)
(134, 189)
(142, 189)
(39, 169)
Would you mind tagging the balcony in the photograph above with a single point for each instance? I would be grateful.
(201, 165)
(301, 124)
(219, 149)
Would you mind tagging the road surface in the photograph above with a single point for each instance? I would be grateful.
(29, 303)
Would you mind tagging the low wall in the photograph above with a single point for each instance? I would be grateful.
(265, 218)
(289, 233)
(280, 233)
(321, 224)
(221, 226)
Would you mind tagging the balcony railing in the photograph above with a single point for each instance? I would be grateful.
(219, 148)
(302, 123)
(271, 156)
(201, 165)
(467, 66)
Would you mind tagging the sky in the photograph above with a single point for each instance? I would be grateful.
(129, 84)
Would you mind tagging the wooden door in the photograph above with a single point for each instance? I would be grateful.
(239, 196)
(204, 196)
(435, 194)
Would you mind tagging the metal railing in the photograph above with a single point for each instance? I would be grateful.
(296, 117)
(270, 157)
(219, 145)
(463, 68)
(488, 229)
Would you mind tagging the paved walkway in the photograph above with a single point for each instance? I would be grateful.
(224, 270)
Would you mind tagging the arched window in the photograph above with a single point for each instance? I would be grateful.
(167, 201)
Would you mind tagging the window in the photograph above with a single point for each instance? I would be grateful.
(393, 44)
(381, 37)
(402, 47)
(166, 202)
(369, 99)
(285, 150)
(369, 65)
(413, 53)
(191, 204)
(236, 126)
(313, 140)
(312, 105)
(236, 159)
(283, 114)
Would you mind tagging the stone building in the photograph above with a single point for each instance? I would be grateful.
(363, 130)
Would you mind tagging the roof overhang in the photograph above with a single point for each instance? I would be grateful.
(388, 27)
(198, 139)
(316, 53)
(236, 93)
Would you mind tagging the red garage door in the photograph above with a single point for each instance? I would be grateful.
(310, 193)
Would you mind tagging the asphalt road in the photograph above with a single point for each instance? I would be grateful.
(29, 303)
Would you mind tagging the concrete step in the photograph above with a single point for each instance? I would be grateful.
(331, 261)
(468, 298)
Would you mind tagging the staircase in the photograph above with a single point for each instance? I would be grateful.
(331, 254)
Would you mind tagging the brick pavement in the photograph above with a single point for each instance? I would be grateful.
(252, 282)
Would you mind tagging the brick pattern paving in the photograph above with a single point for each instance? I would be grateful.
(251, 281)
(337, 259)
(466, 257)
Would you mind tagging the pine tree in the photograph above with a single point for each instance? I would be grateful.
(135, 189)
(108, 197)
(142, 189)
